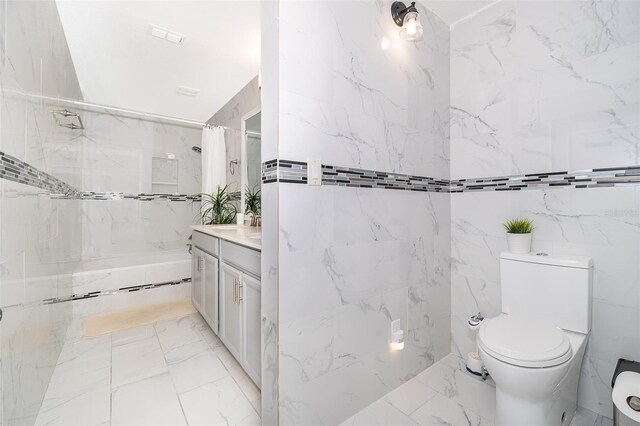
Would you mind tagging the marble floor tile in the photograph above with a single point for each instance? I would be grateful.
(87, 408)
(248, 388)
(584, 417)
(441, 410)
(220, 402)
(202, 368)
(380, 413)
(449, 379)
(446, 394)
(90, 350)
(136, 361)
(410, 396)
(209, 336)
(134, 377)
(601, 421)
(131, 335)
(175, 354)
(225, 356)
(179, 331)
(151, 401)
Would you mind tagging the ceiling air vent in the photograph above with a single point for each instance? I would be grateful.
(165, 34)
(187, 91)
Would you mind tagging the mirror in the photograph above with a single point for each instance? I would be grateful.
(251, 163)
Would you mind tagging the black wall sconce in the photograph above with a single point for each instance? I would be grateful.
(408, 18)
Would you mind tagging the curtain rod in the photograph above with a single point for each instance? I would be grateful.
(193, 123)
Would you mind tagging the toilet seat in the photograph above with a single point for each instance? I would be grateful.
(524, 341)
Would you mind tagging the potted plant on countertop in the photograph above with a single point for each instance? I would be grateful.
(218, 208)
(519, 235)
(252, 204)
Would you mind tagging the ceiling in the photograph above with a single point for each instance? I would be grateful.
(119, 63)
(452, 11)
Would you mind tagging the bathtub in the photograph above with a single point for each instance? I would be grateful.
(107, 281)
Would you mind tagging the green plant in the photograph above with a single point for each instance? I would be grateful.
(252, 200)
(218, 208)
(519, 226)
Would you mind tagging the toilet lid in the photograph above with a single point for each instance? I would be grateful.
(524, 341)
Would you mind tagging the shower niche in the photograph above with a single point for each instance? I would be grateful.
(164, 175)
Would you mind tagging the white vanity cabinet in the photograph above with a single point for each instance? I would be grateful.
(240, 309)
(226, 291)
(252, 318)
(230, 316)
(205, 277)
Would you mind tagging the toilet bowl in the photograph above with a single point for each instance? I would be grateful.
(534, 348)
(536, 367)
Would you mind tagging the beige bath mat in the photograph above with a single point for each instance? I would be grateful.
(135, 317)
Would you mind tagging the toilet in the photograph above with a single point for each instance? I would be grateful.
(534, 348)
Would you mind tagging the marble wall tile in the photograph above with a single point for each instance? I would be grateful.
(119, 150)
(361, 265)
(367, 107)
(269, 269)
(351, 260)
(113, 228)
(545, 86)
(230, 116)
(269, 304)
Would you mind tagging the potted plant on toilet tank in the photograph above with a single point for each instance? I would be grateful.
(519, 235)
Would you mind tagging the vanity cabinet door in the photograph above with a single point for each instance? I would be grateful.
(230, 320)
(210, 291)
(197, 269)
(252, 320)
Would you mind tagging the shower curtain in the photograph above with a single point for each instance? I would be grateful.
(214, 159)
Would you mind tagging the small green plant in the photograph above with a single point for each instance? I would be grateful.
(519, 226)
(218, 208)
(252, 200)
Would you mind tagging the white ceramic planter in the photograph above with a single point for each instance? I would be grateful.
(519, 243)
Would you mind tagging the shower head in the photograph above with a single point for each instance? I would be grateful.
(197, 149)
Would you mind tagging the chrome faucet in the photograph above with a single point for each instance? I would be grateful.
(255, 219)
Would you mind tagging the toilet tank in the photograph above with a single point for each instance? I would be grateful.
(557, 288)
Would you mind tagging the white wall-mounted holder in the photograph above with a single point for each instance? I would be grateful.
(397, 336)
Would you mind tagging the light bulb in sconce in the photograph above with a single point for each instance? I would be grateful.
(408, 19)
(411, 27)
(384, 43)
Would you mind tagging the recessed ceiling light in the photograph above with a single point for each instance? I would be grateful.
(187, 91)
(165, 34)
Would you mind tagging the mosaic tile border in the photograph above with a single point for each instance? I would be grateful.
(99, 293)
(582, 179)
(287, 171)
(21, 172)
(141, 197)
(18, 171)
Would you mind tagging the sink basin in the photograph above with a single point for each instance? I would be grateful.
(255, 236)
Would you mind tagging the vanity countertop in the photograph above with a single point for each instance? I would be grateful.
(248, 236)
